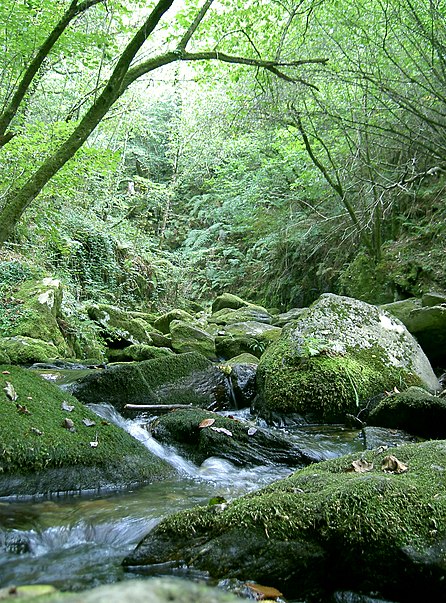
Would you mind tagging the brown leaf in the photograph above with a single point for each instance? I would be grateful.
(360, 466)
(264, 592)
(391, 464)
(6, 373)
(10, 391)
(22, 409)
(206, 423)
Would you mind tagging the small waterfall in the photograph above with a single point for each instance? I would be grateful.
(109, 413)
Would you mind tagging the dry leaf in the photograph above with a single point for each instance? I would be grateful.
(65, 406)
(222, 430)
(22, 409)
(10, 391)
(88, 422)
(6, 373)
(206, 423)
(360, 466)
(391, 464)
(264, 592)
(252, 431)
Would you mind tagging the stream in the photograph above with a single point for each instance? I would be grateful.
(77, 542)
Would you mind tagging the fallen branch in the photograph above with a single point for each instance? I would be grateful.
(162, 407)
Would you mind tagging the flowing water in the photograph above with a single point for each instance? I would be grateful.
(78, 542)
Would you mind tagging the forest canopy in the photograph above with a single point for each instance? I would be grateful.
(297, 144)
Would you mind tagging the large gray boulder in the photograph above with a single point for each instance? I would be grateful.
(339, 355)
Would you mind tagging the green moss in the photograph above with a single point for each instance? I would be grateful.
(35, 439)
(116, 324)
(325, 385)
(326, 503)
(138, 352)
(24, 350)
(188, 337)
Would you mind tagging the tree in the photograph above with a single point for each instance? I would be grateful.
(129, 67)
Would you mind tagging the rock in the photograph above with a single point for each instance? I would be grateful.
(228, 346)
(137, 353)
(402, 309)
(226, 316)
(243, 369)
(226, 438)
(188, 378)
(163, 322)
(339, 355)
(160, 340)
(325, 528)
(433, 299)
(37, 317)
(118, 327)
(25, 350)
(38, 455)
(227, 300)
(245, 337)
(280, 320)
(414, 410)
(376, 437)
(154, 590)
(187, 337)
(428, 324)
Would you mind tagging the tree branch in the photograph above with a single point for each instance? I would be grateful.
(194, 25)
(10, 111)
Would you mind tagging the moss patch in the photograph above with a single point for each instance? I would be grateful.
(33, 437)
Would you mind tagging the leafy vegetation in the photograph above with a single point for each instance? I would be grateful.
(236, 158)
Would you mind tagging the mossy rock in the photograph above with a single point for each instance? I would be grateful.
(137, 353)
(226, 438)
(24, 350)
(228, 346)
(414, 410)
(188, 378)
(428, 324)
(187, 337)
(162, 323)
(245, 358)
(39, 312)
(280, 320)
(119, 326)
(227, 300)
(40, 454)
(338, 356)
(327, 527)
(433, 298)
(402, 309)
(153, 590)
(228, 316)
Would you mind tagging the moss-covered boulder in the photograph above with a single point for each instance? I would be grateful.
(118, 327)
(50, 443)
(189, 337)
(37, 312)
(433, 298)
(370, 524)
(280, 320)
(428, 324)
(402, 309)
(227, 316)
(162, 323)
(228, 300)
(200, 434)
(228, 346)
(188, 378)
(137, 353)
(335, 358)
(242, 371)
(25, 350)
(414, 410)
(154, 590)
